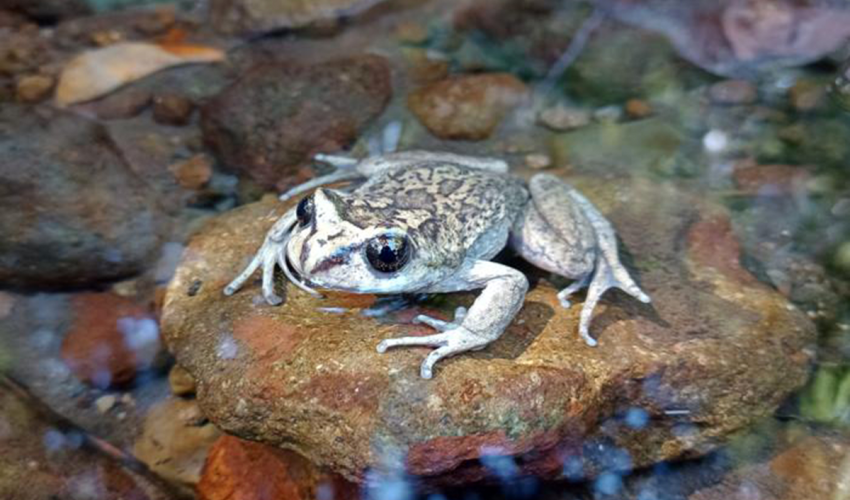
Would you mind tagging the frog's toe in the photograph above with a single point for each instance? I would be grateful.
(438, 339)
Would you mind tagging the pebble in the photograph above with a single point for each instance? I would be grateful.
(34, 88)
(562, 118)
(181, 382)
(120, 105)
(172, 109)
(637, 109)
(733, 92)
(105, 403)
(538, 161)
(467, 107)
(193, 173)
(807, 95)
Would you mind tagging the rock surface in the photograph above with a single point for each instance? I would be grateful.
(176, 440)
(256, 16)
(278, 115)
(243, 470)
(691, 366)
(71, 212)
(111, 339)
(468, 107)
(45, 458)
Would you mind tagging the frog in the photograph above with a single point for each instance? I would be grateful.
(431, 222)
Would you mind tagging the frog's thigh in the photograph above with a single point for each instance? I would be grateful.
(542, 245)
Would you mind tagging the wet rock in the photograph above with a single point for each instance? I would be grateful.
(278, 115)
(807, 95)
(193, 173)
(119, 105)
(733, 92)
(43, 457)
(770, 180)
(48, 10)
(302, 377)
(257, 16)
(561, 118)
(468, 107)
(810, 467)
(172, 109)
(742, 38)
(637, 109)
(243, 470)
(34, 88)
(175, 441)
(71, 212)
(110, 340)
(181, 381)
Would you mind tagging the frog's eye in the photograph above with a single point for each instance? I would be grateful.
(304, 211)
(388, 253)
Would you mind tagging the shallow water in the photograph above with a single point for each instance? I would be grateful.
(727, 150)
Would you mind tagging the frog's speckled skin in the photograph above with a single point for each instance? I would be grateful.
(457, 212)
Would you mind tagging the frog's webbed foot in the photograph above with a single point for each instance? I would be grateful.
(604, 277)
(454, 339)
(501, 298)
(272, 253)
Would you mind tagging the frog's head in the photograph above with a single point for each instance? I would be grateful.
(331, 252)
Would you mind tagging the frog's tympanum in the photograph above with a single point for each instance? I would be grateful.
(430, 222)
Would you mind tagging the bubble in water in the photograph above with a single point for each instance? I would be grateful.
(637, 418)
(608, 483)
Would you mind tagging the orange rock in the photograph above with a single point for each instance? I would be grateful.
(193, 173)
(468, 107)
(638, 108)
(110, 339)
(243, 470)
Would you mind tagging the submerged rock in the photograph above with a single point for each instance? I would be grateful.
(714, 351)
(257, 16)
(468, 107)
(279, 115)
(71, 211)
(243, 470)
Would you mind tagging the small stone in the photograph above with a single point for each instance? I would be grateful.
(7, 303)
(127, 399)
(258, 16)
(34, 88)
(733, 92)
(175, 440)
(411, 32)
(110, 339)
(562, 118)
(538, 161)
(467, 107)
(193, 173)
(807, 95)
(105, 403)
(637, 109)
(172, 109)
(181, 382)
(425, 68)
(237, 469)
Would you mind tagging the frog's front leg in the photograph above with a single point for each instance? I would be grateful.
(501, 298)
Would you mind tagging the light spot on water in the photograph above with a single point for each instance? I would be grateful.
(227, 348)
(608, 483)
(637, 418)
(715, 141)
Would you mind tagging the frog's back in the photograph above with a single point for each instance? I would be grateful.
(438, 203)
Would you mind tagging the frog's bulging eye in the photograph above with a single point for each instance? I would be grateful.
(388, 253)
(304, 211)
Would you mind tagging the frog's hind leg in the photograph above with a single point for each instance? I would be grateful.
(562, 232)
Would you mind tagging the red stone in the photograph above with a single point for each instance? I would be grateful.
(96, 347)
(237, 469)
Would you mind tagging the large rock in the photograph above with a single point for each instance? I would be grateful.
(714, 351)
(279, 115)
(71, 212)
(257, 16)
